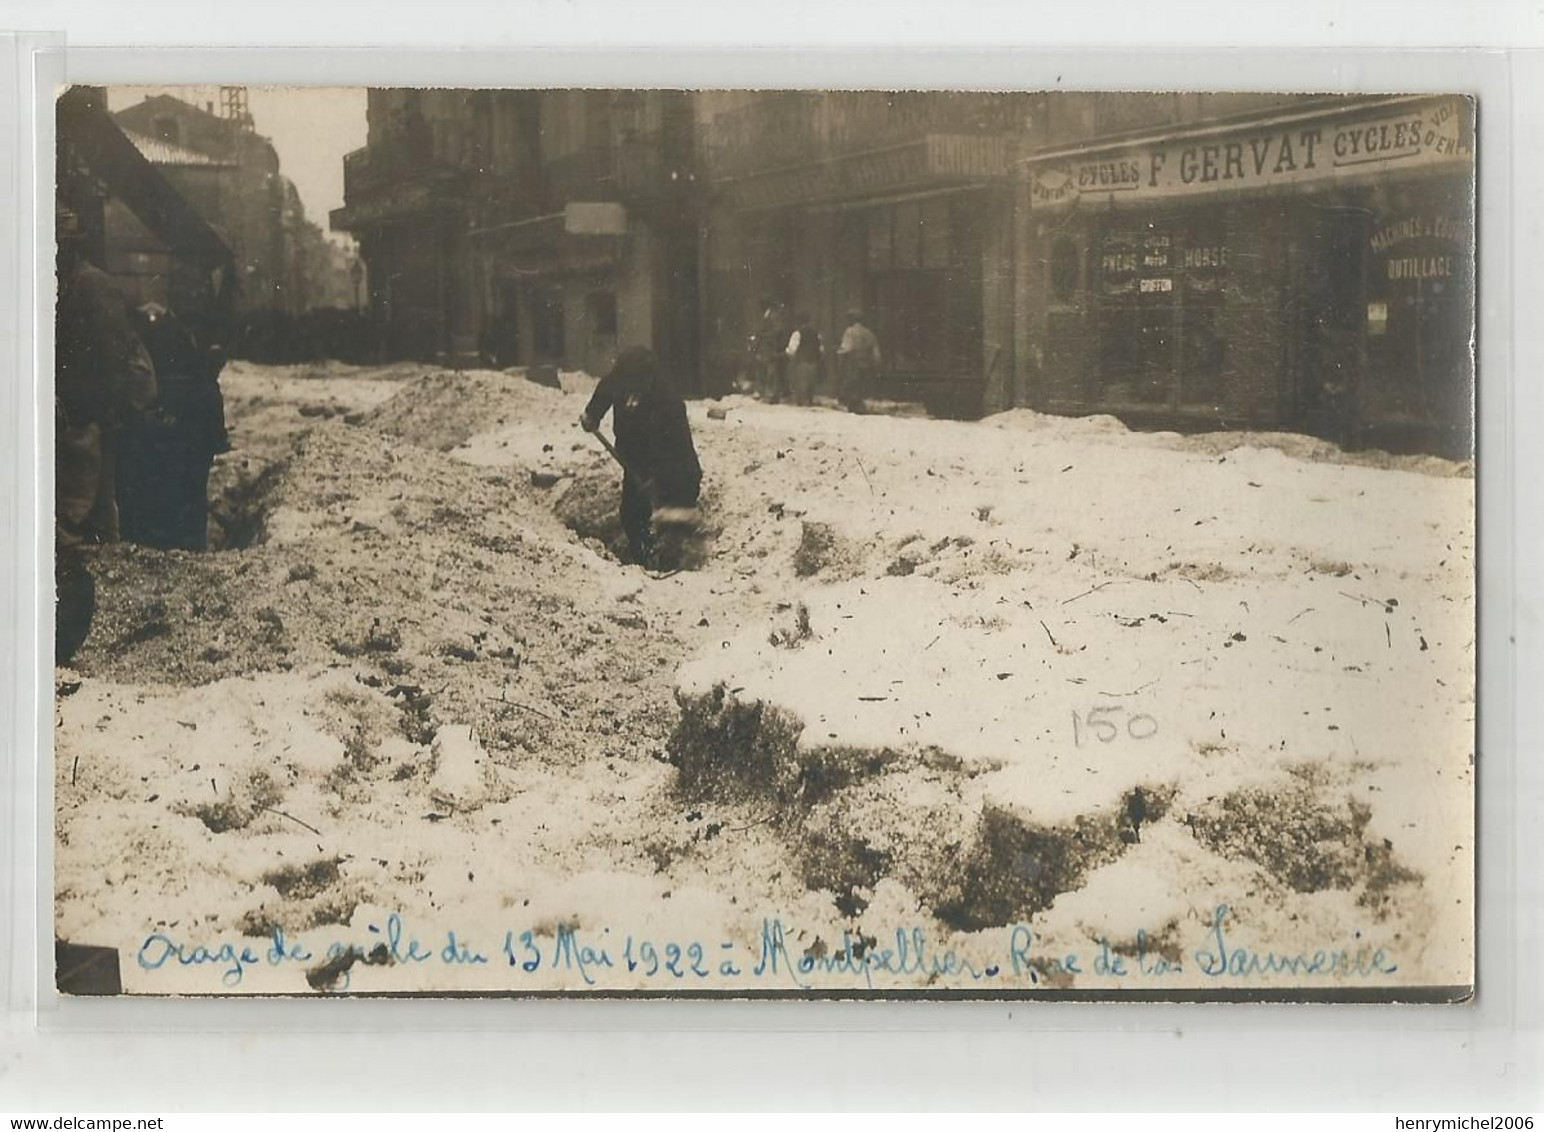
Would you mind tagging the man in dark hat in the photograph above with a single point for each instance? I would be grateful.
(653, 440)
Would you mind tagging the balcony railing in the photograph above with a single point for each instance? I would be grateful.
(795, 127)
(629, 170)
(586, 174)
(430, 148)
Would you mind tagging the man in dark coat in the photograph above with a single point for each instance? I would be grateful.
(654, 440)
(103, 380)
(163, 481)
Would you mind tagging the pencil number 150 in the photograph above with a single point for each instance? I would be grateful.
(1105, 725)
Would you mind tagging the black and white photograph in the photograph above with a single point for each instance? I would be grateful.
(764, 543)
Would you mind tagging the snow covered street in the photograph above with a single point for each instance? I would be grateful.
(1037, 696)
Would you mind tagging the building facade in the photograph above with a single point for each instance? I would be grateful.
(407, 197)
(1305, 264)
(140, 261)
(1181, 260)
(897, 205)
(138, 226)
(529, 227)
(232, 178)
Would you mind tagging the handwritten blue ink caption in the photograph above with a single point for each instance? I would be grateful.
(911, 956)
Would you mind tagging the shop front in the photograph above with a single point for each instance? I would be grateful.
(914, 236)
(1311, 272)
(550, 290)
(573, 288)
(412, 237)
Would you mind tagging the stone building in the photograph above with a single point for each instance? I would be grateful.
(1183, 261)
(232, 178)
(138, 225)
(145, 267)
(528, 227)
(900, 205)
(1251, 261)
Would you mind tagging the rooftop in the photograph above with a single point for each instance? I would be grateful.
(158, 151)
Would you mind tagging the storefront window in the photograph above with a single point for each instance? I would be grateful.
(1064, 269)
(923, 291)
(880, 241)
(547, 324)
(602, 309)
(1160, 284)
(1418, 309)
(1136, 318)
(1202, 269)
(935, 234)
(908, 236)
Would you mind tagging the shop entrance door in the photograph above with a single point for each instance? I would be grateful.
(1138, 315)
(1419, 316)
(1330, 304)
(925, 296)
(1162, 282)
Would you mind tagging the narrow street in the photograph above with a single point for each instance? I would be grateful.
(928, 674)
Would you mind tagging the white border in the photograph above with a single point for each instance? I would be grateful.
(154, 1055)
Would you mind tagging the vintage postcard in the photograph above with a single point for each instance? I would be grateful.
(752, 543)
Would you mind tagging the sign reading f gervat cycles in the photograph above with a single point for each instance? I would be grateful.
(1387, 136)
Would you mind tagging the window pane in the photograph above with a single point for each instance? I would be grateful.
(1064, 269)
(879, 239)
(935, 234)
(908, 235)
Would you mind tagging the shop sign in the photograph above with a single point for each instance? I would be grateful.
(1377, 319)
(1419, 247)
(1419, 268)
(1155, 263)
(871, 172)
(932, 158)
(594, 219)
(1192, 259)
(1417, 135)
(1418, 227)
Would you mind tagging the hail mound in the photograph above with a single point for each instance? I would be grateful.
(362, 547)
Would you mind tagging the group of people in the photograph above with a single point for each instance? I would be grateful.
(791, 361)
(138, 421)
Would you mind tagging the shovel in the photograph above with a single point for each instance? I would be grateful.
(673, 526)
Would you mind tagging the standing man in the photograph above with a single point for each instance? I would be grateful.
(103, 379)
(654, 441)
(857, 361)
(805, 355)
(774, 363)
(163, 480)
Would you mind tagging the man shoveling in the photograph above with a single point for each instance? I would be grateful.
(661, 476)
